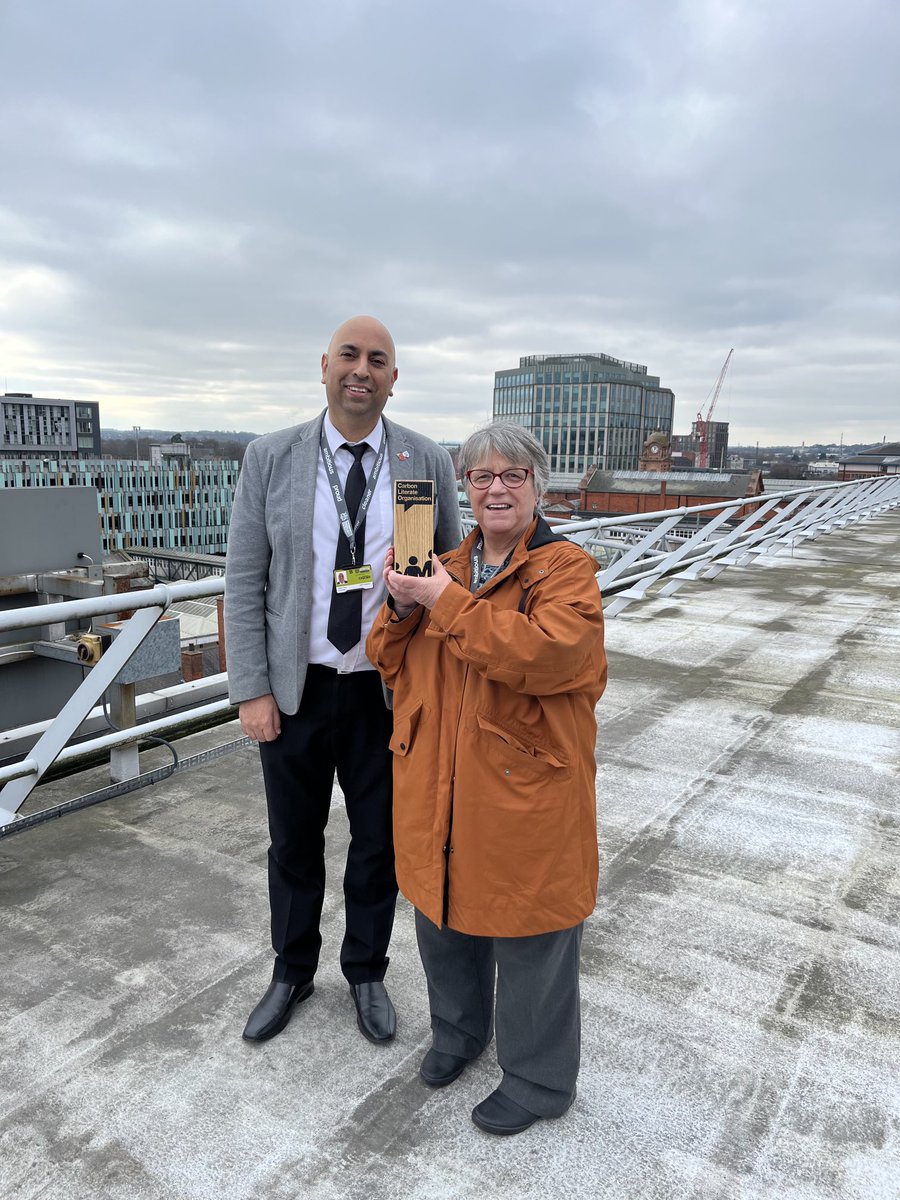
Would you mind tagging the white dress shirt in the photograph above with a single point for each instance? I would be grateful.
(379, 535)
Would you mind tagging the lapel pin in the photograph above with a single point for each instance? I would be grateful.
(403, 455)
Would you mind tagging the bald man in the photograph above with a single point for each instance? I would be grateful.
(313, 510)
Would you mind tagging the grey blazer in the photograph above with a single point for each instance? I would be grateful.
(268, 585)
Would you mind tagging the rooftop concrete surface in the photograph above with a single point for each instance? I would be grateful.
(740, 986)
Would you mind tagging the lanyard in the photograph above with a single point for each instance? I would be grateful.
(478, 560)
(337, 493)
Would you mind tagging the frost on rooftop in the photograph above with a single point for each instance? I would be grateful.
(741, 989)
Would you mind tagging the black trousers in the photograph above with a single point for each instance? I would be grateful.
(343, 727)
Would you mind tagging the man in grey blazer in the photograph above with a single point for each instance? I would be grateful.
(313, 510)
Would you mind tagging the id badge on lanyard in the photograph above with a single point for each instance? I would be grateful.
(353, 577)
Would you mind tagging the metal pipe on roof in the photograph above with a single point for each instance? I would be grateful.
(161, 595)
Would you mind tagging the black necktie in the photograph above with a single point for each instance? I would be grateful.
(345, 617)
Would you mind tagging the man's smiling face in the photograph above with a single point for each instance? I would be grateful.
(358, 372)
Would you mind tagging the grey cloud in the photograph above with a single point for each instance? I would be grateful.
(194, 195)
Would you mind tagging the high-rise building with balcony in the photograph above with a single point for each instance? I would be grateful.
(585, 409)
(33, 426)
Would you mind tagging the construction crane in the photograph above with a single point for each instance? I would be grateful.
(702, 423)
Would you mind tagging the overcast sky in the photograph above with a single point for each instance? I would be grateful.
(194, 193)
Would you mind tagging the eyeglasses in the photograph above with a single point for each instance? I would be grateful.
(512, 477)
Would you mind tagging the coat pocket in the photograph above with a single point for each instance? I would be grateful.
(538, 754)
(405, 725)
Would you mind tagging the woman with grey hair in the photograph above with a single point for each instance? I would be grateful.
(512, 443)
(496, 662)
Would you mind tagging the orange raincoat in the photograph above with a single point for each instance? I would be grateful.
(494, 736)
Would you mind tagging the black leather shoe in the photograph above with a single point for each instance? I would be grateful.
(438, 1069)
(375, 1014)
(498, 1114)
(274, 1010)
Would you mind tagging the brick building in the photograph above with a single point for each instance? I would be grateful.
(652, 488)
(875, 460)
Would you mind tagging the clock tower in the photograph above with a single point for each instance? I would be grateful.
(657, 453)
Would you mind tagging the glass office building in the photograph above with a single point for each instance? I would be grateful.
(586, 409)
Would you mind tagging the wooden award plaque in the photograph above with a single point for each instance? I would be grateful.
(413, 525)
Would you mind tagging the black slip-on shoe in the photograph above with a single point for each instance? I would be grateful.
(375, 1014)
(274, 1010)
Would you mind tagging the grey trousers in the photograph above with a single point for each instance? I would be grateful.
(538, 1010)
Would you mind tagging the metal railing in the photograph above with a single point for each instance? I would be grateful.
(700, 541)
(148, 606)
(635, 552)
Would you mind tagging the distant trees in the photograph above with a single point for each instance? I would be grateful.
(123, 446)
(787, 469)
(219, 449)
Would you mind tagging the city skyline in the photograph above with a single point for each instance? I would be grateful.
(146, 434)
(194, 197)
